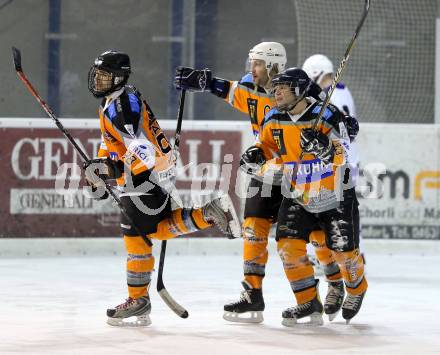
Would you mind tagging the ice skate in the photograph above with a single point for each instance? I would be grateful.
(312, 309)
(248, 309)
(131, 313)
(351, 306)
(334, 299)
(221, 212)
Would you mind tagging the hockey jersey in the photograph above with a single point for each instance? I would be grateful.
(343, 100)
(317, 185)
(131, 133)
(250, 99)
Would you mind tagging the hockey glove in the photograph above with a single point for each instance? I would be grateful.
(316, 92)
(317, 143)
(192, 79)
(99, 170)
(352, 127)
(252, 159)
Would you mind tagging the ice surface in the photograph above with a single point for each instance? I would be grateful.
(57, 305)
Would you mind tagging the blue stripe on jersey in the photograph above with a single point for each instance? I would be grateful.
(310, 170)
(327, 112)
(340, 85)
(268, 115)
(247, 78)
(134, 103)
(112, 110)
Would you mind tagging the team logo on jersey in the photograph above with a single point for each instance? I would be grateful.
(252, 109)
(277, 135)
(266, 109)
(113, 156)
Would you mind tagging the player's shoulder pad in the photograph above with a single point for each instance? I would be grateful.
(134, 98)
(247, 78)
(331, 112)
(247, 81)
(126, 109)
(271, 115)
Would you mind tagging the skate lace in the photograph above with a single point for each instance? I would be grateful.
(299, 308)
(333, 294)
(352, 302)
(128, 302)
(245, 297)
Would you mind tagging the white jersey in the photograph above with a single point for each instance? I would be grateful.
(343, 100)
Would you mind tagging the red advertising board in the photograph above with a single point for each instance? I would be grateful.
(32, 156)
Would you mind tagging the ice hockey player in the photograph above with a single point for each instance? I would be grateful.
(320, 69)
(252, 95)
(136, 153)
(322, 193)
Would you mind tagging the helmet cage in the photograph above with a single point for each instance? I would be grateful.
(299, 91)
(109, 73)
(103, 82)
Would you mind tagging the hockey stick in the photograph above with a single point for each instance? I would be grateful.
(166, 297)
(336, 78)
(18, 68)
(342, 64)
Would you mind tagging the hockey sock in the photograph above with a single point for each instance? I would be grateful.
(140, 264)
(325, 256)
(298, 269)
(352, 268)
(181, 221)
(255, 237)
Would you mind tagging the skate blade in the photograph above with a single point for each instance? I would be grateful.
(315, 320)
(332, 316)
(246, 317)
(136, 321)
(234, 224)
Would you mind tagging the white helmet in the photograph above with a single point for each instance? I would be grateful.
(317, 66)
(272, 53)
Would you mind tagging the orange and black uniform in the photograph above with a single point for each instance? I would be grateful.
(322, 198)
(130, 133)
(261, 212)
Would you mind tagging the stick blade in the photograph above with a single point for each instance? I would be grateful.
(174, 306)
(16, 54)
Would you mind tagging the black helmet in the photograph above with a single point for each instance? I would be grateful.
(112, 68)
(299, 83)
(295, 78)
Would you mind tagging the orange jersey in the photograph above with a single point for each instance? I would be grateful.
(251, 99)
(131, 133)
(316, 182)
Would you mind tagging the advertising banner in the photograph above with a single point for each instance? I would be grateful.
(34, 152)
(399, 187)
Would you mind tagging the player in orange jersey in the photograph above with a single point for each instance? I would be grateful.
(319, 193)
(136, 153)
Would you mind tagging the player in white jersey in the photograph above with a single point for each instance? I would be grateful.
(320, 69)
